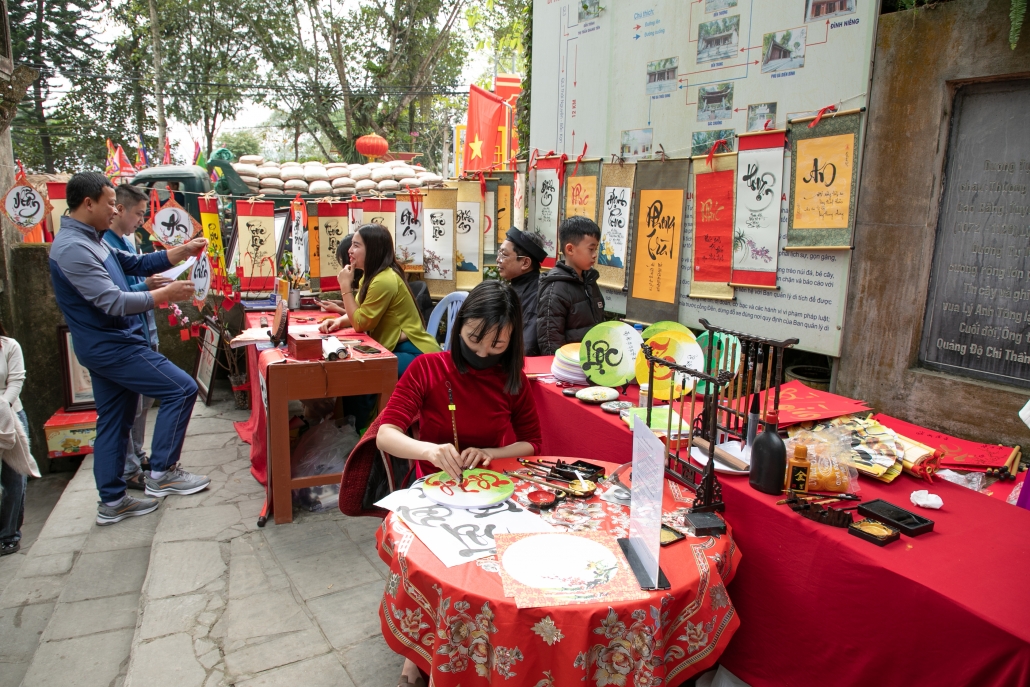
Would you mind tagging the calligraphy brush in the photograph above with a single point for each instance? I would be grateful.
(747, 389)
(679, 432)
(731, 415)
(752, 416)
(738, 422)
(454, 425)
(768, 381)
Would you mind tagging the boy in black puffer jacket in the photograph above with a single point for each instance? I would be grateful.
(570, 302)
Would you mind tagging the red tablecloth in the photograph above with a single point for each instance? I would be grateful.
(820, 607)
(456, 623)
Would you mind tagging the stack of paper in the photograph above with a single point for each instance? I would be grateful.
(566, 367)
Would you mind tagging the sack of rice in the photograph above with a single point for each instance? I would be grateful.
(269, 163)
(388, 185)
(429, 178)
(360, 173)
(251, 181)
(255, 160)
(374, 165)
(395, 163)
(337, 172)
(364, 185)
(343, 182)
(268, 173)
(418, 168)
(410, 182)
(330, 165)
(291, 173)
(320, 186)
(271, 182)
(314, 173)
(245, 170)
(382, 174)
(403, 172)
(296, 185)
(254, 188)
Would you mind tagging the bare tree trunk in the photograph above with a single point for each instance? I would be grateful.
(159, 85)
(37, 94)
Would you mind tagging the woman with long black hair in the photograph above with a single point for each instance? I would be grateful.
(382, 305)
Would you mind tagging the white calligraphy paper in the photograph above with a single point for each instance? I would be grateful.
(459, 535)
(614, 226)
(174, 272)
(172, 226)
(356, 218)
(470, 236)
(756, 225)
(409, 234)
(545, 219)
(200, 275)
(299, 244)
(439, 239)
(25, 206)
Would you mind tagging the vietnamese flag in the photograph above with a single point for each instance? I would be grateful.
(486, 116)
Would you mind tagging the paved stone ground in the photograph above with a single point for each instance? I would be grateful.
(195, 595)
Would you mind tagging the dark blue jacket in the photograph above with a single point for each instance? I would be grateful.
(126, 244)
(94, 296)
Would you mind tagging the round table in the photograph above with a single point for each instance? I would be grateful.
(457, 625)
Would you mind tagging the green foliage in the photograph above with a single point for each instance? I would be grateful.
(240, 143)
(1016, 15)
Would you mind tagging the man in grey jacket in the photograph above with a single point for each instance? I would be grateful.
(109, 339)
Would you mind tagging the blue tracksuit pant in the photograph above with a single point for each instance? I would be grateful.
(116, 388)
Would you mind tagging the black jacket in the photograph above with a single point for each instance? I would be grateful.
(527, 286)
(567, 307)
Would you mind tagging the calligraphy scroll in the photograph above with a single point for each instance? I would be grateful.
(712, 264)
(756, 224)
(314, 257)
(439, 210)
(657, 237)
(468, 223)
(333, 225)
(409, 233)
(55, 191)
(544, 205)
(200, 275)
(581, 183)
(490, 223)
(380, 211)
(518, 196)
(255, 244)
(298, 229)
(824, 171)
(211, 223)
(174, 226)
(505, 209)
(616, 198)
(357, 213)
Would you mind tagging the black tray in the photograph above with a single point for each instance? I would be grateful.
(907, 522)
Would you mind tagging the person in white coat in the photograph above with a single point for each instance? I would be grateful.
(12, 483)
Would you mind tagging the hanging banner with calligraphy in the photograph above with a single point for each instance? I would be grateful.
(468, 225)
(409, 232)
(25, 206)
(357, 213)
(518, 197)
(439, 210)
(314, 257)
(255, 244)
(173, 225)
(380, 211)
(333, 221)
(657, 237)
(55, 191)
(211, 223)
(712, 263)
(825, 183)
(490, 224)
(545, 203)
(756, 224)
(581, 183)
(505, 194)
(616, 198)
(299, 235)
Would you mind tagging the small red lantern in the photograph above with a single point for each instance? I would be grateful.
(372, 146)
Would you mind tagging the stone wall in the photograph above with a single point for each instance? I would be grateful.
(921, 57)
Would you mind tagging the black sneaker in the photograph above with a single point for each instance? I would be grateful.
(7, 548)
(137, 482)
(129, 508)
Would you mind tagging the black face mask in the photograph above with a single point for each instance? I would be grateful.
(477, 362)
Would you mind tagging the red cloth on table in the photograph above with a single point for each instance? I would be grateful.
(485, 414)
(955, 453)
(951, 601)
(453, 621)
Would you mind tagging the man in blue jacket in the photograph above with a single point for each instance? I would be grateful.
(110, 341)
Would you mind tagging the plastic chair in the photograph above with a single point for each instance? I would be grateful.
(449, 305)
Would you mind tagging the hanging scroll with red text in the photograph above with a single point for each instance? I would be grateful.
(255, 244)
(657, 237)
(712, 266)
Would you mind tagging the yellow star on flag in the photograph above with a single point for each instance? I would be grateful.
(477, 148)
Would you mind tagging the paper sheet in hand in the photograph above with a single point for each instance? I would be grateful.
(179, 269)
(456, 535)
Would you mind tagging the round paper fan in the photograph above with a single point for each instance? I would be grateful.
(676, 347)
(608, 353)
(665, 326)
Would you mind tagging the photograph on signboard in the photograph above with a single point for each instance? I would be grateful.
(589, 9)
(783, 50)
(661, 75)
(761, 114)
(715, 102)
(718, 39)
(823, 9)
(636, 144)
(716, 5)
(702, 141)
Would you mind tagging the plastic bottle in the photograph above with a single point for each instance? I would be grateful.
(645, 391)
(768, 459)
(798, 469)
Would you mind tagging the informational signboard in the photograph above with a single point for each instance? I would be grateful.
(977, 313)
(635, 78)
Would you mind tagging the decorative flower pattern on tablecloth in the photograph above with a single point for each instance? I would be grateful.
(468, 639)
(635, 648)
(410, 621)
(576, 516)
(548, 631)
(548, 680)
(696, 636)
(720, 599)
(392, 584)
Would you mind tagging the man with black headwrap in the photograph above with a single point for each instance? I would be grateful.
(518, 261)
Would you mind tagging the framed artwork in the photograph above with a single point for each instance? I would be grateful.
(207, 360)
(78, 384)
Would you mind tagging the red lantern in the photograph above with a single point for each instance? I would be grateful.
(372, 146)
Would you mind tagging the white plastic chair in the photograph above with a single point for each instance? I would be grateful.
(449, 305)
